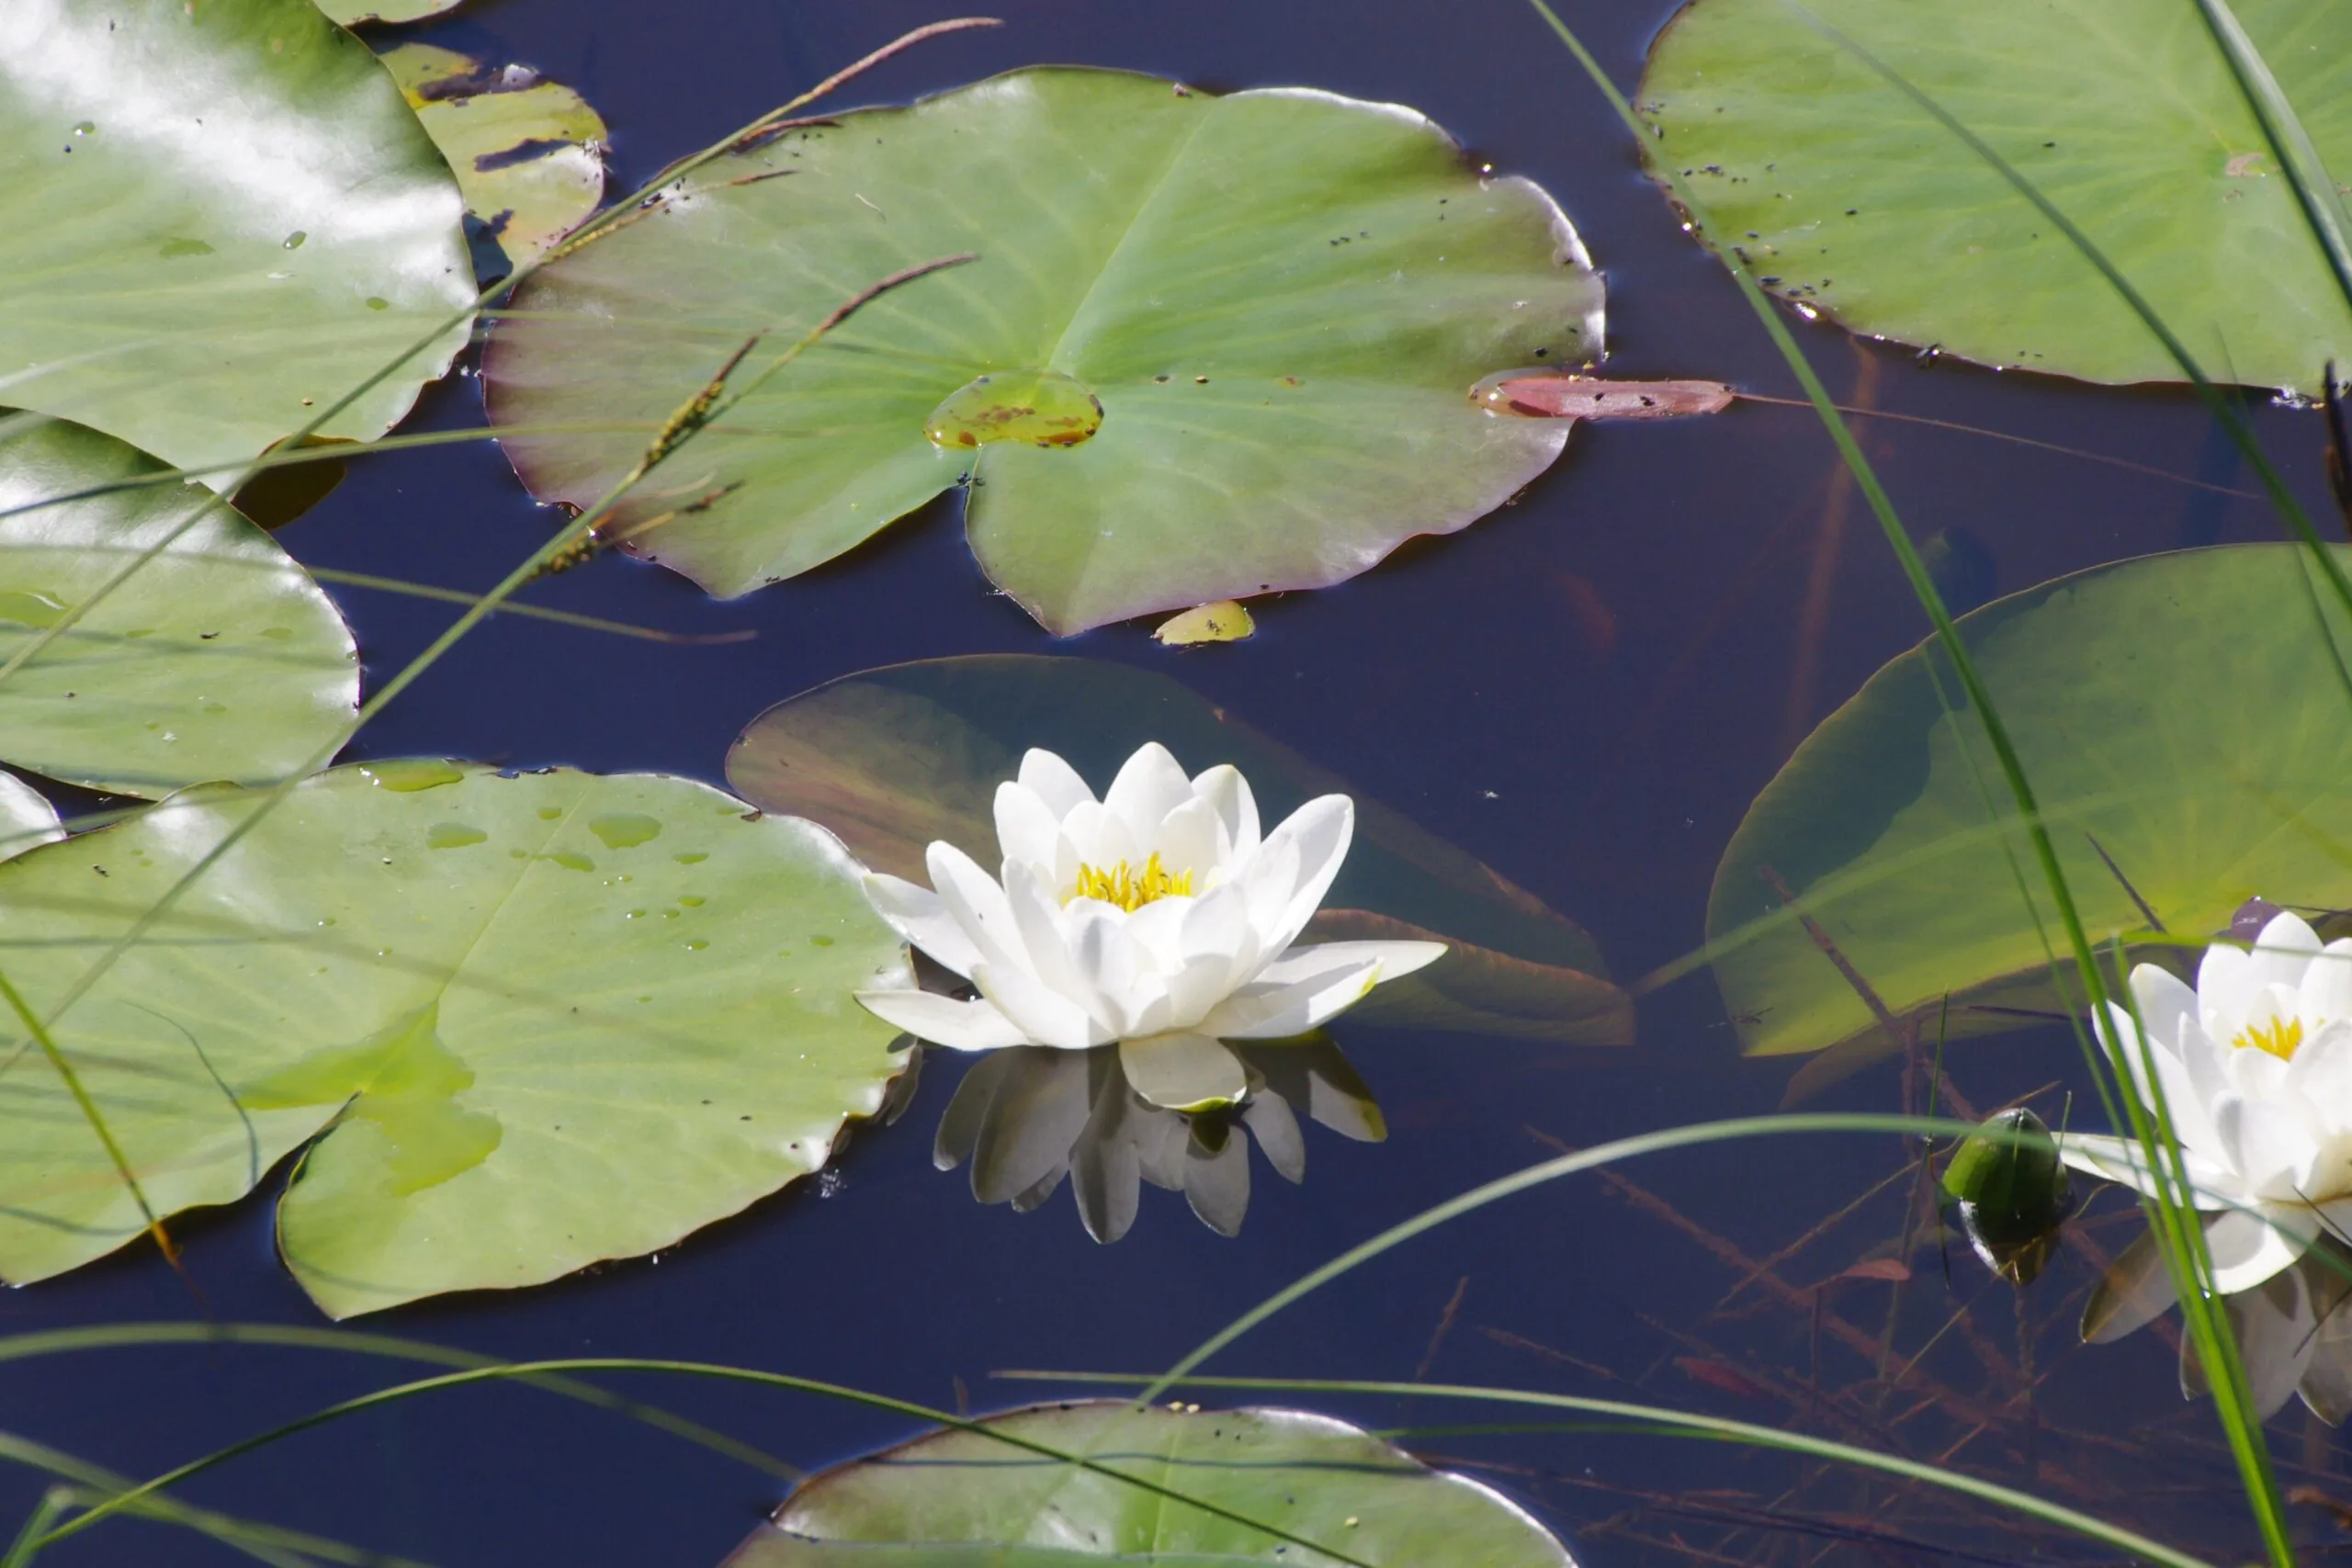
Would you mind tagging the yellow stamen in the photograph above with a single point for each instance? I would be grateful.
(2279, 1038)
(1131, 889)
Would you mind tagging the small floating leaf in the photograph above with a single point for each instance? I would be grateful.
(527, 152)
(1276, 297)
(1845, 197)
(1552, 394)
(1226, 621)
(892, 759)
(965, 1499)
(357, 13)
(2180, 774)
(219, 659)
(184, 325)
(2012, 1193)
(507, 1076)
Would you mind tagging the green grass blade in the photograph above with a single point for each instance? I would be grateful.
(1687, 1424)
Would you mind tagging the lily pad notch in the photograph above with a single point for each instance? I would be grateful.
(1213, 346)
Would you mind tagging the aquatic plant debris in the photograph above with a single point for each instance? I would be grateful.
(1845, 198)
(1552, 394)
(1227, 620)
(220, 659)
(1284, 1483)
(893, 758)
(2160, 767)
(268, 229)
(525, 1023)
(1242, 323)
(527, 152)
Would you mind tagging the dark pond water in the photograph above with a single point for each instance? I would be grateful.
(1585, 690)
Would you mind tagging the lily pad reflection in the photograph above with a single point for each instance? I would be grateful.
(893, 758)
(2178, 774)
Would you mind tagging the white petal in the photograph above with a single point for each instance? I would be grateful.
(1322, 828)
(1099, 837)
(2248, 1245)
(1150, 785)
(1045, 1015)
(917, 914)
(2326, 990)
(1229, 793)
(2267, 1144)
(2284, 951)
(1027, 830)
(1309, 985)
(2135, 1290)
(1184, 1071)
(1110, 968)
(2319, 1080)
(1158, 931)
(2117, 1159)
(1188, 841)
(976, 904)
(2225, 983)
(2166, 1006)
(2186, 1094)
(1053, 780)
(943, 1020)
(1049, 935)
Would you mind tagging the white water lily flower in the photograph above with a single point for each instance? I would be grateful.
(1156, 919)
(2255, 1069)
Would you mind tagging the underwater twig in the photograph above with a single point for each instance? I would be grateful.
(529, 612)
(2126, 464)
(1903, 1034)
(2115, 870)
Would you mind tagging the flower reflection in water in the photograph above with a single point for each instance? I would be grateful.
(1030, 1117)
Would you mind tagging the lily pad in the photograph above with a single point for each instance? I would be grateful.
(215, 220)
(2187, 739)
(219, 659)
(533, 1023)
(968, 1499)
(1847, 199)
(892, 759)
(528, 151)
(1271, 303)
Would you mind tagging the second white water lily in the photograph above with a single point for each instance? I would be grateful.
(1156, 918)
(2255, 1070)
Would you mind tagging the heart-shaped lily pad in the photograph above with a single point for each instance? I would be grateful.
(1211, 346)
(215, 220)
(970, 1499)
(220, 659)
(1847, 197)
(892, 759)
(527, 152)
(2187, 742)
(540, 1021)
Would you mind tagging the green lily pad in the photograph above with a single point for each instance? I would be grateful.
(219, 659)
(533, 1023)
(1849, 199)
(2184, 733)
(892, 759)
(1273, 304)
(527, 152)
(965, 1499)
(215, 220)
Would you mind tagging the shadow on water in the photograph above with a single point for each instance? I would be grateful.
(1584, 691)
